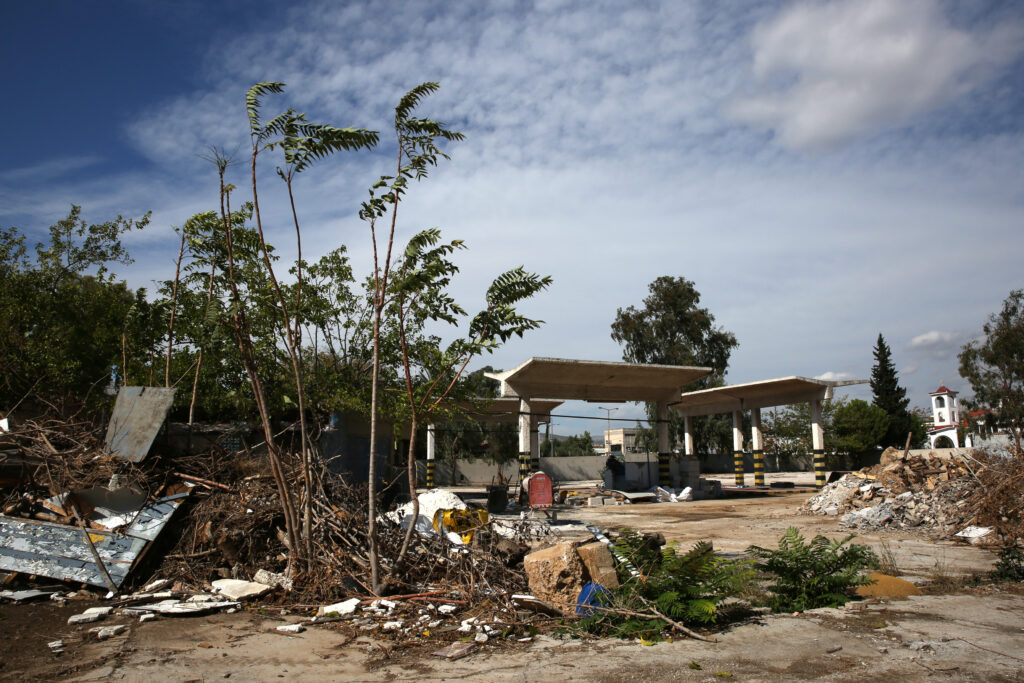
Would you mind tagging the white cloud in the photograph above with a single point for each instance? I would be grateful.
(910, 369)
(831, 376)
(938, 343)
(837, 70)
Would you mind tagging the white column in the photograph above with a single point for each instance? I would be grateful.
(818, 444)
(688, 435)
(524, 438)
(757, 441)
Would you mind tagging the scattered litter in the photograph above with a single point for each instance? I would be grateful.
(430, 502)
(55, 645)
(291, 628)
(974, 533)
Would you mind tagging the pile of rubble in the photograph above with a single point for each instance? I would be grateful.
(926, 494)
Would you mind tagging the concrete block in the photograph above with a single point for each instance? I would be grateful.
(555, 575)
(600, 566)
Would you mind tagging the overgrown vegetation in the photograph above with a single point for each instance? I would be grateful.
(669, 588)
(807, 575)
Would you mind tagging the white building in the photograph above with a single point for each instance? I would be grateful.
(945, 418)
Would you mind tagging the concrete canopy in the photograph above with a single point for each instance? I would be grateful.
(504, 410)
(588, 380)
(763, 394)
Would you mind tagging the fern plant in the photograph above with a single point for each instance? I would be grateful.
(808, 575)
(686, 587)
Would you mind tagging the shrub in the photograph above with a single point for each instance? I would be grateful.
(685, 587)
(1010, 565)
(811, 575)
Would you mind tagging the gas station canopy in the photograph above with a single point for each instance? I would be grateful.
(763, 394)
(603, 381)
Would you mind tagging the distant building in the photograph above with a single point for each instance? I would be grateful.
(617, 441)
(945, 418)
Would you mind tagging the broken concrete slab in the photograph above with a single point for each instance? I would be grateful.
(178, 607)
(76, 619)
(600, 566)
(26, 595)
(555, 575)
(236, 589)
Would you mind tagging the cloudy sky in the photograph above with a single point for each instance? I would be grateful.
(823, 171)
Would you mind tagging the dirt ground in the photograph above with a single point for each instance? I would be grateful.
(972, 634)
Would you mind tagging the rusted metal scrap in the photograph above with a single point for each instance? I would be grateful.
(60, 551)
(139, 412)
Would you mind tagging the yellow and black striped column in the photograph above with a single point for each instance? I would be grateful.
(431, 455)
(819, 468)
(524, 465)
(664, 470)
(737, 446)
(759, 467)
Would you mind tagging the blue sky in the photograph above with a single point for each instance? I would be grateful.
(823, 171)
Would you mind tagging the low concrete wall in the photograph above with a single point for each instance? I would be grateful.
(575, 468)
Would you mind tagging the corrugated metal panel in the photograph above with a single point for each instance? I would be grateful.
(60, 551)
(138, 414)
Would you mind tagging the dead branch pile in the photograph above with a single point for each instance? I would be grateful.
(232, 525)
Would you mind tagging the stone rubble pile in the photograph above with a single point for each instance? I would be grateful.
(926, 494)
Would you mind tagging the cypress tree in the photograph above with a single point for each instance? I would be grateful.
(888, 395)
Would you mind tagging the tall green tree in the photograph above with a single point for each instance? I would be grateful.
(888, 395)
(859, 427)
(672, 328)
(63, 313)
(994, 365)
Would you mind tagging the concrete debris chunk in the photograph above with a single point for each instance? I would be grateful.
(106, 632)
(146, 616)
(340, 608)
(273, 580)
(600, 566)
(555, 575)
(55, 644)
(291, 628)
(235, 589)
(154, 586)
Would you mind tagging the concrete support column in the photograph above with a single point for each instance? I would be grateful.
(737, 446)
(818, 444)
(431, 454)
(664, 448)
(757, 439)
(688, 435)
(524, 438)
(534, 443)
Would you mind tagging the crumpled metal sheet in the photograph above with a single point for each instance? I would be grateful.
(60, 551)
(139, 412)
